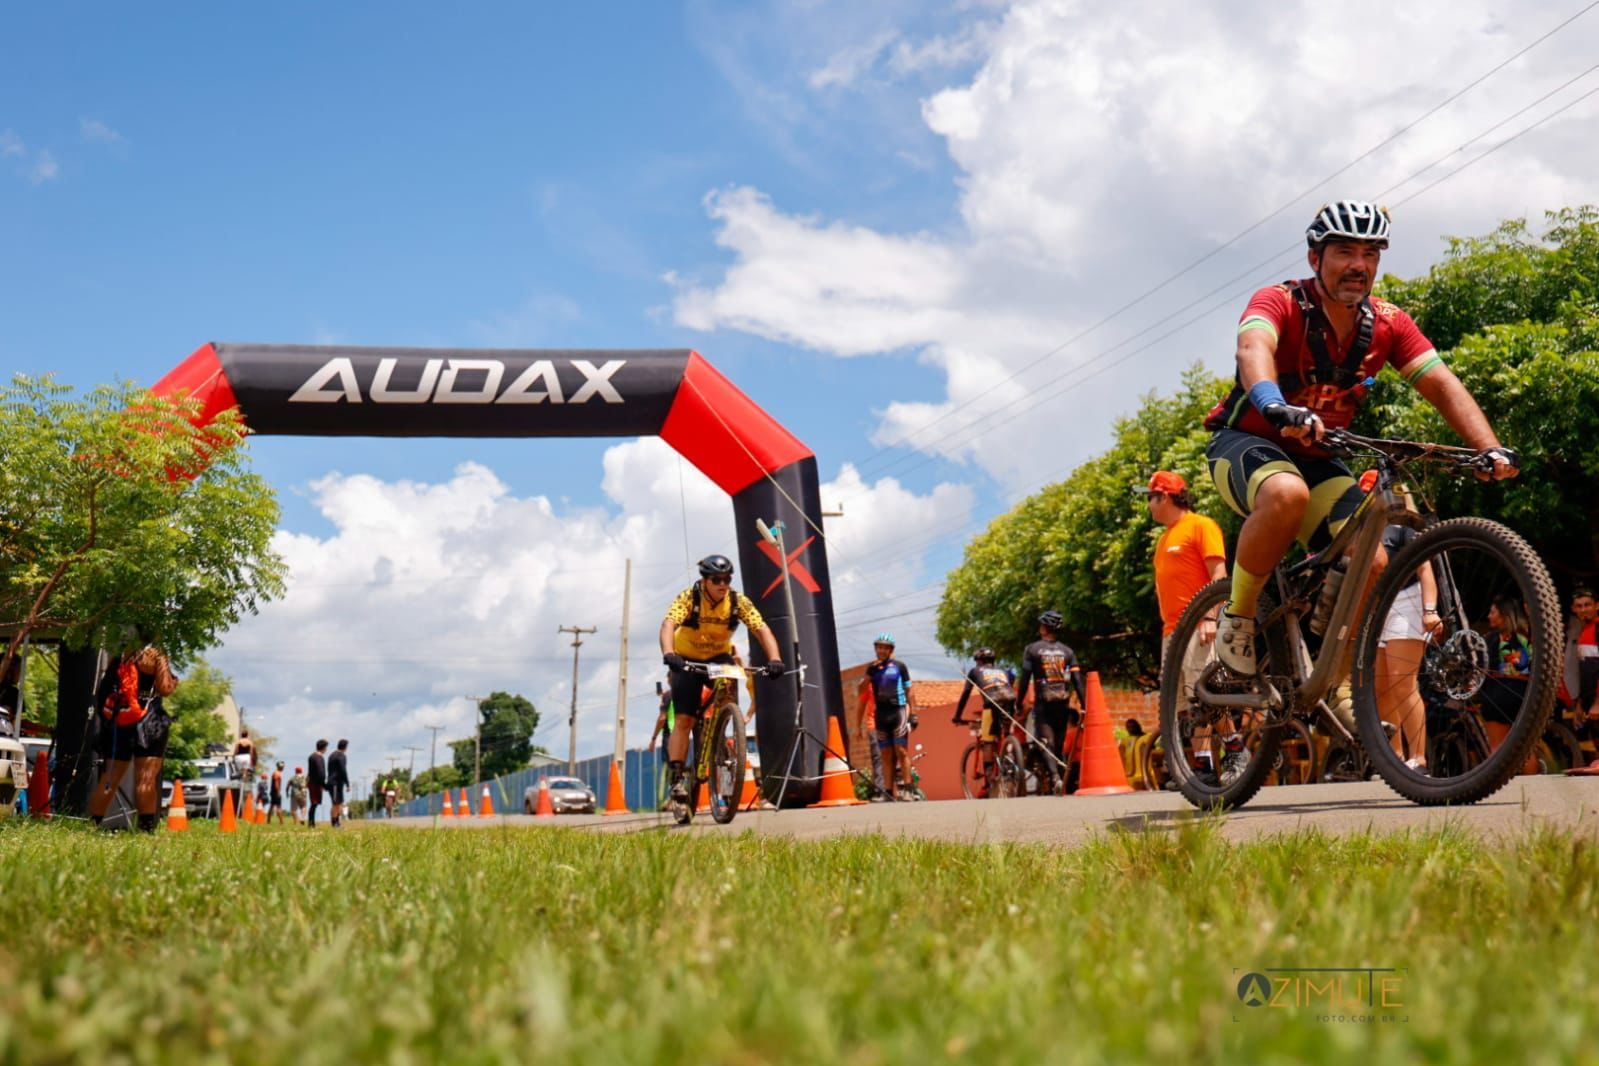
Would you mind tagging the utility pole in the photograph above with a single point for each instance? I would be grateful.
(477, 739)
(433, 760)
(571, 720)
(621, 683)
(413, 751)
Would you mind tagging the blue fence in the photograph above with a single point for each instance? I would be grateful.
(641, 773)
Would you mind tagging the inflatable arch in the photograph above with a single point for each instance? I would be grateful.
(677, 395)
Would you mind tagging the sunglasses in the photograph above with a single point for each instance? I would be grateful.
(723, 580)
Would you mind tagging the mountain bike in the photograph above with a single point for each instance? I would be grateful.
(1476, 733)
(719, 747)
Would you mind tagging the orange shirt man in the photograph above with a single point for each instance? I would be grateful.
(1189, 555)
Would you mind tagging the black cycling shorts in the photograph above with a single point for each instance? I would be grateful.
(1241, 462)
(145, 739)
(336, 795)
(893, 726)
(688, 689)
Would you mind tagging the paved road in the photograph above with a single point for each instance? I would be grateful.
(1343, 808)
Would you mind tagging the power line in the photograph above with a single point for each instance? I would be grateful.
(1106, 319)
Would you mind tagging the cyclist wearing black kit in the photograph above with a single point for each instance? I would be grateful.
(1057, 674)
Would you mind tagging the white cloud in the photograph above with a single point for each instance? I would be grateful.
(1099, 151)
(43, 168)
(97, 132)
(847, 65)
(425, 593)
(11, 144)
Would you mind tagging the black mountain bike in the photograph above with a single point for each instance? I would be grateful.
(1477, 728)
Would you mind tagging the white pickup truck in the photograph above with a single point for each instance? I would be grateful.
(202, 797)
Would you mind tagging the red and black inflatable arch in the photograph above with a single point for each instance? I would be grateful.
(677, 395)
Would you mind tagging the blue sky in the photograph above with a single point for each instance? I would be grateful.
(886, 222)
(399, 174)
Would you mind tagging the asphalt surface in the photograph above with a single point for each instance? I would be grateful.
(1526, 803)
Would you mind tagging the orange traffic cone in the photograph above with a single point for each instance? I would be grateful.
(463, 809)
(838, 781)
(1102, 773)
(545, 809)
(177, 813)
(704, 804)
(615, 802)
(39, 787)
(485, 807)
(248, 814)
(449, 810)
(750, 798)
(229, 824)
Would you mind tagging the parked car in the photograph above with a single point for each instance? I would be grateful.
(203, 795)
(13, 774)
(568, 795)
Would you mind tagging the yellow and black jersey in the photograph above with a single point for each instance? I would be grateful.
(705, 629)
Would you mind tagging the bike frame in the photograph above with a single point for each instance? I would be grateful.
(1359, 539)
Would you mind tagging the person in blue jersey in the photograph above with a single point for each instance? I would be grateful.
(890, 680)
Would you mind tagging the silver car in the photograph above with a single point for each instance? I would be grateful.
(568, 795)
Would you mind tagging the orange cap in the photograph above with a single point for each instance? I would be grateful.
(1164, 481)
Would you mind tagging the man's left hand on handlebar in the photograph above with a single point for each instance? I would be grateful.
(1505, 463)
(774, 668)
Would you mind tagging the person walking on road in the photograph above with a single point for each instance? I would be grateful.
(1052, 668)
(244, 757)
(317, 779)
(891, 685)
(297, 791)
(275, 796)
(338, 781)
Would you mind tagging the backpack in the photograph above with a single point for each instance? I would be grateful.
(693, 619)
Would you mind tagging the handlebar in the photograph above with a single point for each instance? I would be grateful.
(1344, 442)
(727, 671)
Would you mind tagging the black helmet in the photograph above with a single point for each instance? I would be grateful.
(716, 564)
(1052, 619)
(984, 655)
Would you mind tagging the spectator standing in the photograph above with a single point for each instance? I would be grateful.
(1189, 555)
(275, 805)
(297, 791)
(134, 726)
(244, 757)
(338, 781)
(1053, 668)
(1579, 681)
(317, 779)
(890, 682)
(263, 795)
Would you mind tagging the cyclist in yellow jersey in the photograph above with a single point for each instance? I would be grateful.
(698, 628)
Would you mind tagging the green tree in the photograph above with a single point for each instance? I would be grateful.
(508, 724)
(437, 779)
(1083, 546)
(196, 725)
(120, 519)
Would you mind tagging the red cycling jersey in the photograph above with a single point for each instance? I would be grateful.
(1394, 338)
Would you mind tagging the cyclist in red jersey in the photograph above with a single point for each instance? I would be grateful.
(1307, 351)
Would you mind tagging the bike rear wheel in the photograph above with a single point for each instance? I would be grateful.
(974, 784)
(1189, 726)
(1488, 699)
(1012, 769)
(725, 770)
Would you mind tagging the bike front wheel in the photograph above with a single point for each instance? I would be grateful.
(725, 771)
(1467, 701)
(1195, 733)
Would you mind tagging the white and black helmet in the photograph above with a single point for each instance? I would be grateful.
(1353, 220)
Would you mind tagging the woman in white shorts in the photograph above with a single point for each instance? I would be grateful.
(1400, 649)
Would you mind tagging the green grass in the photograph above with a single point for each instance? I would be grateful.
(560, 946)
